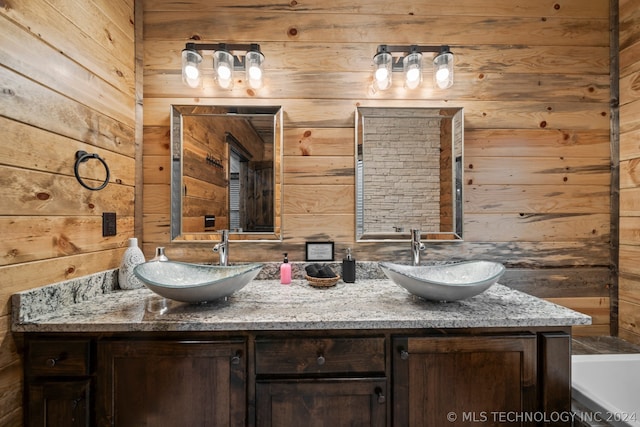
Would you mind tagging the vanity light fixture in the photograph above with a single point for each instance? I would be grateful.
(408, 59)
(227, 58)
(412, 68)
(383, 67)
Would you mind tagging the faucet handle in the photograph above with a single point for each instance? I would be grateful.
(416, 235)
(224, 239)
(222, 247)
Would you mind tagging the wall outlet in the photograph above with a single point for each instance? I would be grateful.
(109, 224)
(209, 221)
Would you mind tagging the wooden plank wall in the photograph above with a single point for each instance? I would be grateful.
(629, 253)
(66, 84)
(205, 184)
(532, 76)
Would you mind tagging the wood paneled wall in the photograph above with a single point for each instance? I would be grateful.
(629, 251)
(67, 78)
(533, 78)
(205, 184)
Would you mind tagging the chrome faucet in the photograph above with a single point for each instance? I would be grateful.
(416, 246)
(160, 256)
(222, 248)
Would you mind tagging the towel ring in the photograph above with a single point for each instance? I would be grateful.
(83, 156)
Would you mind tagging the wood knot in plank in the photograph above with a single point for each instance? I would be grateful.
(13, 253)
(635, 83)
(65, 246)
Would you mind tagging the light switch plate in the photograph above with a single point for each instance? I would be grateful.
(109, 224)
(209, 221)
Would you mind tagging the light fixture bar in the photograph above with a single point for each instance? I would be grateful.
(228, 57)
(238, 63)
(409, 62)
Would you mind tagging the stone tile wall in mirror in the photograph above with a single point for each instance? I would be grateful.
(409, 172)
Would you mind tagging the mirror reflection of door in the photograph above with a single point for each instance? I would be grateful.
(256, 189)
(250, 193)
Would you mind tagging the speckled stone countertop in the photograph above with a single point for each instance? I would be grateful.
(94, 304)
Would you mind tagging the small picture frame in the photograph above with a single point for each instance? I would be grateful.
(319, 251)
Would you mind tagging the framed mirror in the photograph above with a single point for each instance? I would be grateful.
(226, 172)
(409, 171)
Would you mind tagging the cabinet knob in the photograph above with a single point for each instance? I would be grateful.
(235, 359)
(404, 354)
(53, 361)
(320, 360)
(380, 394)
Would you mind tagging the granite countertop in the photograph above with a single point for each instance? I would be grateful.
(95, 305)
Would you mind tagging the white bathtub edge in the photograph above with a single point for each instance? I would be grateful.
(597, 404)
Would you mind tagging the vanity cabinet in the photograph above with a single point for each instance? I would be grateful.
(58, 382)
(319, 382)
(377, 378)
(462, 380)
(172, 383)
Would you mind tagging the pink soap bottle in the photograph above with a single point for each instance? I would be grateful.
(285, 271)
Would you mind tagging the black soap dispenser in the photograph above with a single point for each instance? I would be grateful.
(349, 268)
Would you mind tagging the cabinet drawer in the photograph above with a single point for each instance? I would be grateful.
(322, 402)
(322, 355)
(55, 357)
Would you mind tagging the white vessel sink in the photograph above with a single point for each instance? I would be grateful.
(447, 282)
(194, 282)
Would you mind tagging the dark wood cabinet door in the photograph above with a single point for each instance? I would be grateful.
(464, 381)
(171, 383)
(59, 403)
(322, 403)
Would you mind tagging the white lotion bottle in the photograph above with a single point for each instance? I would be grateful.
(132, 257)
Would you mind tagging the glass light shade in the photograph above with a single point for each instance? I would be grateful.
(191, 75)
(223, 67)
(412, 66)
(443, 70)
(253, 68)
(383, 63)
